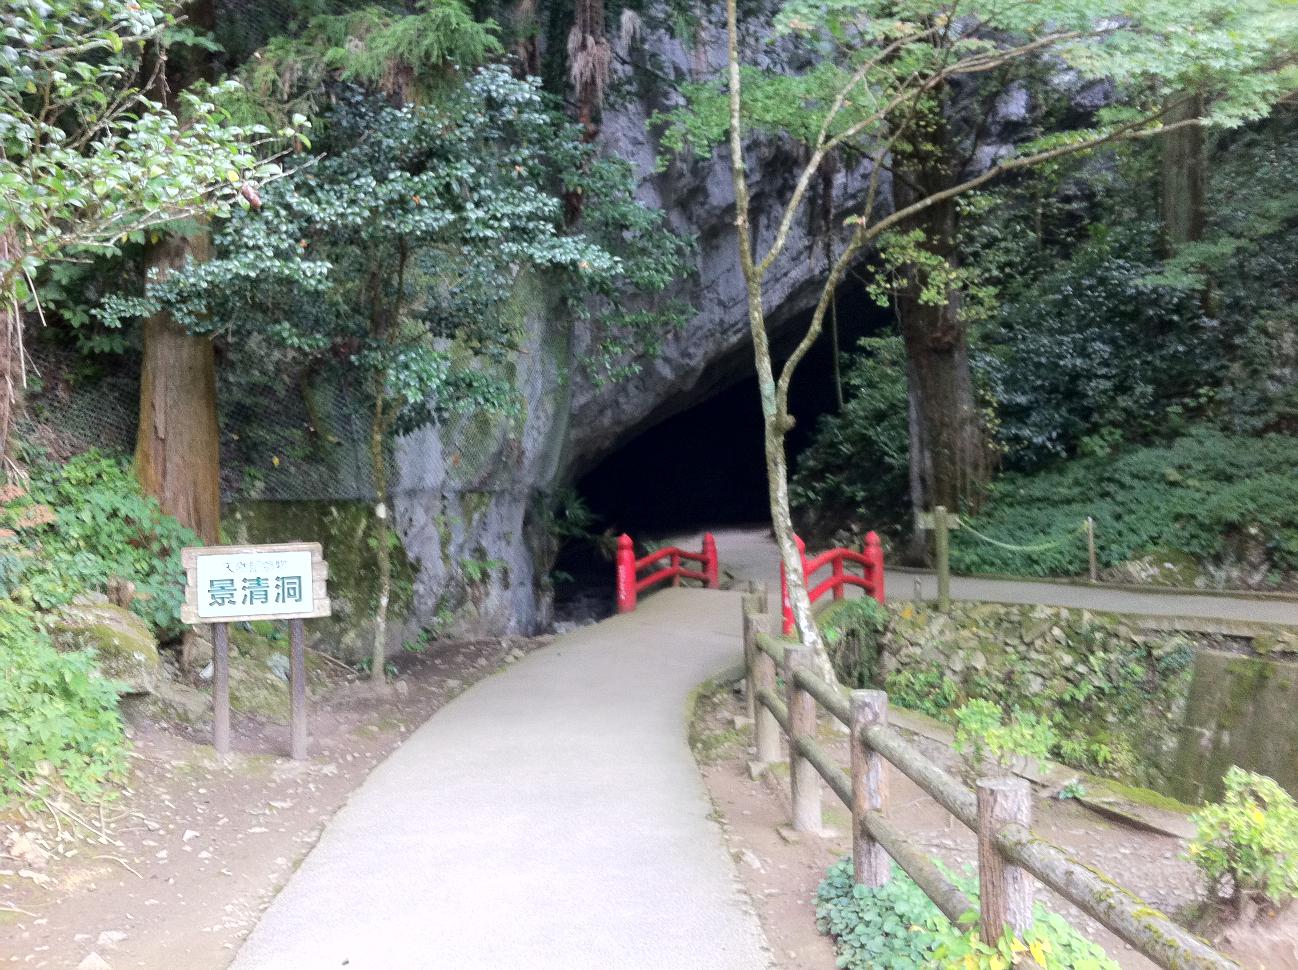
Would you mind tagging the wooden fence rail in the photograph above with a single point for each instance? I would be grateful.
(1010, 856)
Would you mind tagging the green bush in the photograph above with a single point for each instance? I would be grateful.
(897, 927)
(1247, 844)
(1201, 495)
(104, 527)
(1098, 346)
(990, 743)
(58, 718)
(852, 630)
(928, 691)
(858, 459)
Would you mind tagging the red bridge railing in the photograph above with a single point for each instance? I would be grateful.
(870, 579)
(629, 587)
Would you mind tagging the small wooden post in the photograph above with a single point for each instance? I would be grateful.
(942, 549)
(766, 728)
(870, 862)
(1005, 890)
(221, 688)
(803, 778)
(1092, 562)
(749, 608)
(297, 675)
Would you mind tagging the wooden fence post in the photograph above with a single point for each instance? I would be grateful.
(221, 688)
(1091, 560)
(766, 728)
(297, 687)
(942, 552)
(750, 650)
(870, 862)
(1005, 890)
(804, 780)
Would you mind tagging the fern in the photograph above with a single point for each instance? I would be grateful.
(406, 56)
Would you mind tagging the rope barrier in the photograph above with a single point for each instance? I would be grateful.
(1037, 547)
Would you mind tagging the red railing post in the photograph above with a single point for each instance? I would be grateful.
(839, 590)
(626, 593)
(711, 565)
(676, 568)
(874, 554)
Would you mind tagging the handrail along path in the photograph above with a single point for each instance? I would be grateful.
(1010, 855)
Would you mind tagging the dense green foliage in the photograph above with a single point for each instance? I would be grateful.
(1082, 688)
(1246, 845)
(89, 159)
(102, 528)
(989, 742)
(1209, 494)
(1096, 351)
(854, 473)
(897, 927)
(58, 718)
(852, 629)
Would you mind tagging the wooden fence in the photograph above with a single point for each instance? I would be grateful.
(999, 811)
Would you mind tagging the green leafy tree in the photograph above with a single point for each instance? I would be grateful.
(92, 158)
(875, 90)
(393, 257)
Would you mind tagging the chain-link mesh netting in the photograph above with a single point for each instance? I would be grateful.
(305, 437)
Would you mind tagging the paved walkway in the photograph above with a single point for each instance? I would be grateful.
(749, 554)
(550, 818)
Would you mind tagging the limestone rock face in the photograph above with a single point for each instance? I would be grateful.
(125, 649)
(470, 492)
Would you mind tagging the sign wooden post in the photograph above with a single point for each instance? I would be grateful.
(237, 584)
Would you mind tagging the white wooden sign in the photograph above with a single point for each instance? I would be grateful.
(227, 584)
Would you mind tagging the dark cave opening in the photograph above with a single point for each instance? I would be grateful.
(704, 467)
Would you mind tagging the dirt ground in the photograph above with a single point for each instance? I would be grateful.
(174, 872)
(782, 871)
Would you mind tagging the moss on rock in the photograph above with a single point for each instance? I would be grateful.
(124, 647)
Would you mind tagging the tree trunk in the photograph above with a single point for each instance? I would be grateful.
(948, 438)
(1184, 177)
(177, 449)
(950, 460)
(11, 342)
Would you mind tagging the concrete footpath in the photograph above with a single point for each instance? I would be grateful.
(750, 554)
(550, 818)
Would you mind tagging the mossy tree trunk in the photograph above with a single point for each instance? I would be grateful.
(177, 448)
(1184, 176)
(948, 442)
(11, 342)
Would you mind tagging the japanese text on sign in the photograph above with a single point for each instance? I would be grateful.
(243, 583)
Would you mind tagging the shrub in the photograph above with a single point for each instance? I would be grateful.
(103, 527)
(858, 459)
(853, 630)
(1247, 844)
(989, 743)
(1199, 495)
(1099, 346)
(928, 691)
(897, 927)
(58, 718)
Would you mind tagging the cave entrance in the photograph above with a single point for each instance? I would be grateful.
(704, 467)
